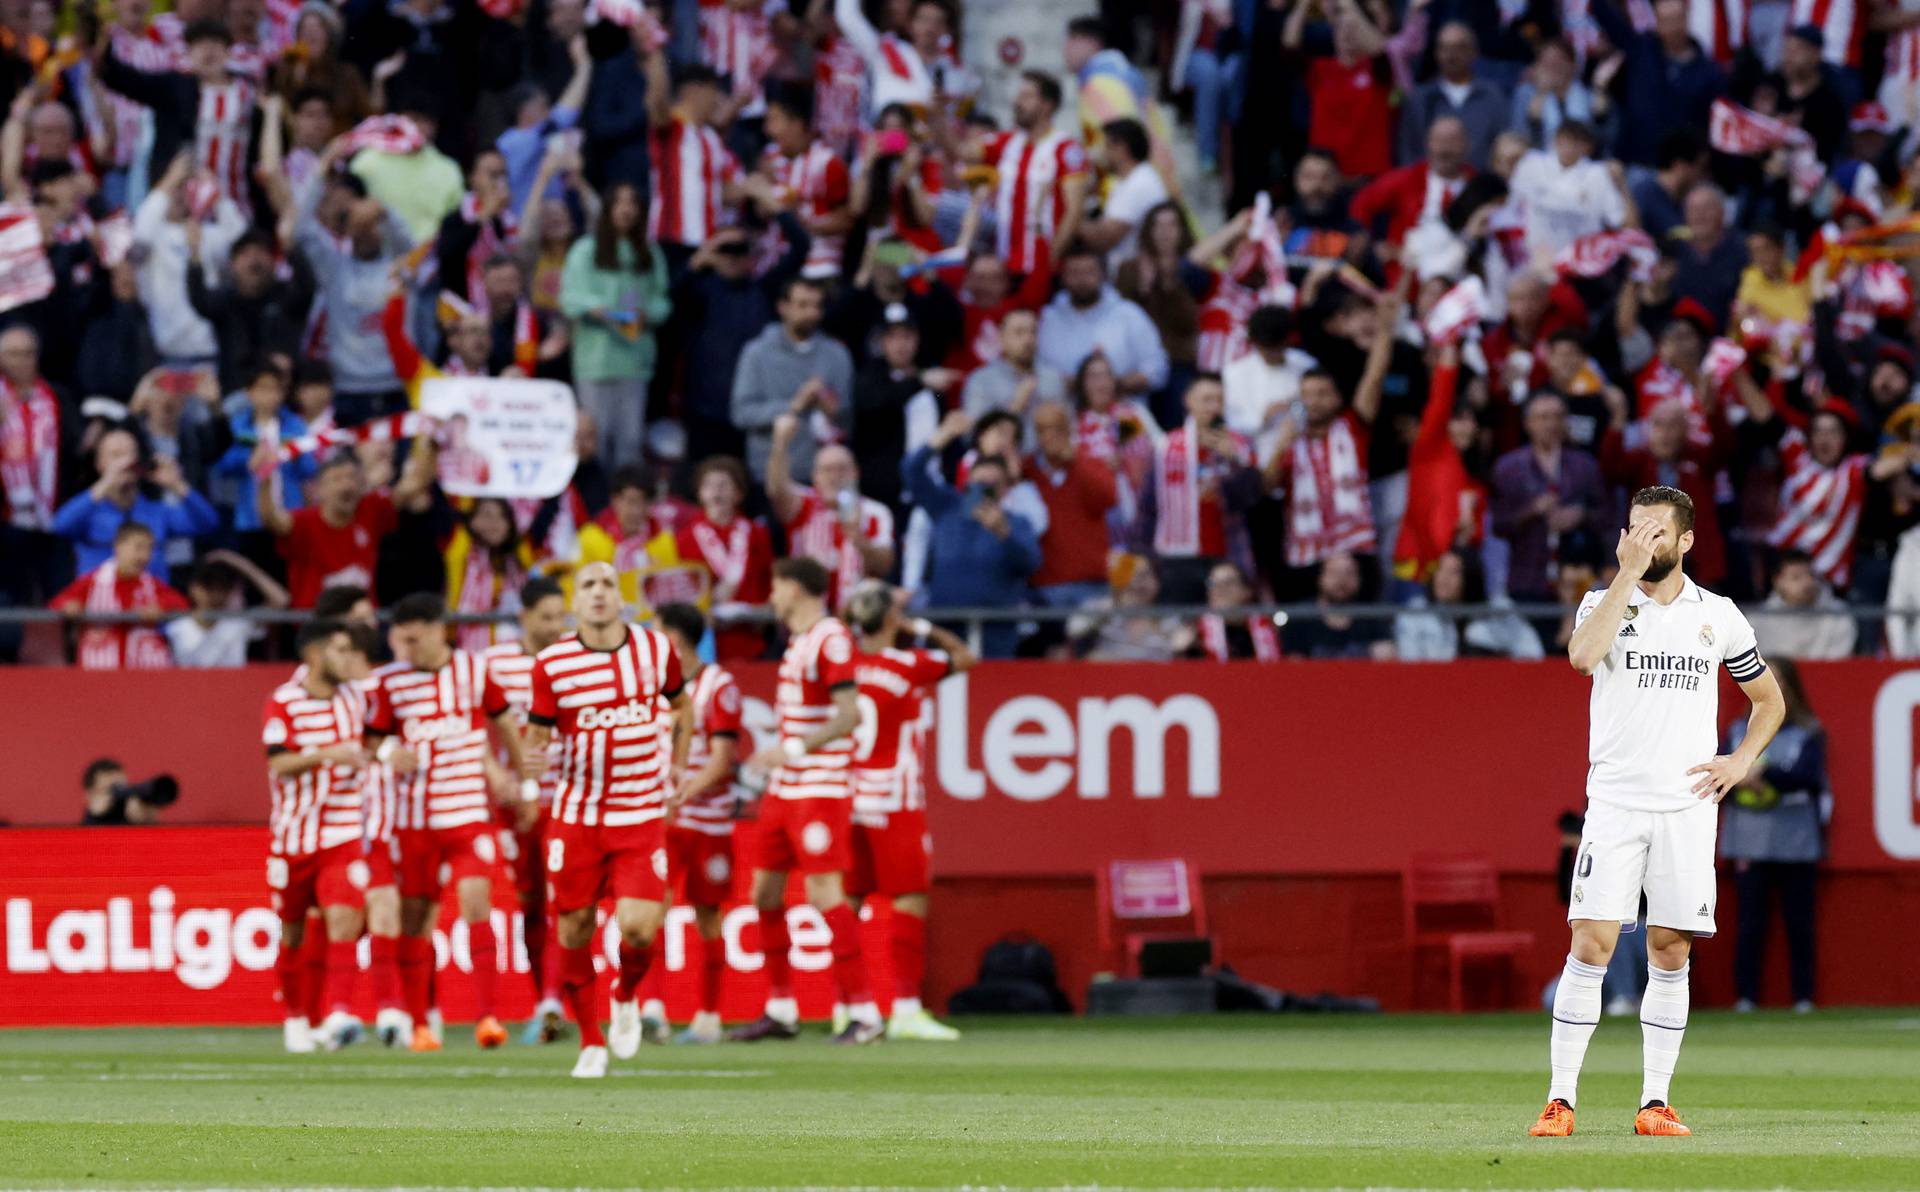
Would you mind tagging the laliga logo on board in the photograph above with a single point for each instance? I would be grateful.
(619, 716)
(200, 945)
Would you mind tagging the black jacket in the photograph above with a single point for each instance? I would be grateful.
(249, 330)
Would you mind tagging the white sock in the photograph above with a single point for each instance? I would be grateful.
(654, 1009)
(865, 1011)
(903, 1006)
(783, 1009)
(706, 1021)
(1576, 1011)
(1663, 1024)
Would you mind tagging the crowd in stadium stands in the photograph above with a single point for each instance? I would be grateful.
(1481, 270)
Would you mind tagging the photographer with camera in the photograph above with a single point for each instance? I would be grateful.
(112, 800)
(982, 552)
(133, 487)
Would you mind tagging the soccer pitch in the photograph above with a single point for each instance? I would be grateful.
(1405, 1101)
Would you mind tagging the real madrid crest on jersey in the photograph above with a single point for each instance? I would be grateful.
(1633, 610)
(1706, 635)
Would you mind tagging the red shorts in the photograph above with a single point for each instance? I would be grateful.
(335, 876)
(892, 860)
(431, 858)
(383, 863)
(701, 866)
(808, 835)
(586, 862)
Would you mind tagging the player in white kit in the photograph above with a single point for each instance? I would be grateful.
(1653, 642)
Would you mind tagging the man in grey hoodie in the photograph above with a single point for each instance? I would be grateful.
(791, 368)
(353, 276)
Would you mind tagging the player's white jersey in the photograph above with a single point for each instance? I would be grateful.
(1656, 698)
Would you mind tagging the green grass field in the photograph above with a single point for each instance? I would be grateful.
(1825, 1102)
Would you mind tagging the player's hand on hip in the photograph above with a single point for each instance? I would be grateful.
(1718, 776)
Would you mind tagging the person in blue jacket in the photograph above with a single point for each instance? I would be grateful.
(165, 503)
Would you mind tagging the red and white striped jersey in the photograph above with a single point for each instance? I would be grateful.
(819, 180)
(1720, 26)
(221, 134)
(320, 808)
(511, 666)
(691, 169)
(816, 662)
(1842, 24)
(838, 73)
(379, 785)
(441, 715)
(717, 708)
(1820, 508)
(1032, 199)
(738, 44)
(1903, 67)
(815, 532)
(887, 764)
(606, 707)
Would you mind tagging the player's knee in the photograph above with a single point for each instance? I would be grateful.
(824, 891)
(1592, 948)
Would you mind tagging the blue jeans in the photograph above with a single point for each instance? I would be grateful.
(1216, 97)
(1072, 595)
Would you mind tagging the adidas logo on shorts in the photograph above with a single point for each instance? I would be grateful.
(1704, 912)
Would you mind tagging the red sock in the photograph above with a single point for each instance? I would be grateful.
(908, 948)
(634, 963)
(713, 966)
(416, 960)
(343, 969)
(577, 986)
(651, 984)
(849, 962)
(775, 944)
(290, 967)
(533, 933)
(383, 971)
(550, 966)
(484, 953)
(313, 950)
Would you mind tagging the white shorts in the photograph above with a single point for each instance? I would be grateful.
(1667, 854)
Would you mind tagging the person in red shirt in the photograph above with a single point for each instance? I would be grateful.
(122, 585)
(1419, 191)
(336, 538)
(1350, 95)
(1080, 491)
(737, 551)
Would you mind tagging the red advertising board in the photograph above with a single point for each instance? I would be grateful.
(1040, 769)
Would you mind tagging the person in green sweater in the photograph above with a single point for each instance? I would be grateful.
(614, 289)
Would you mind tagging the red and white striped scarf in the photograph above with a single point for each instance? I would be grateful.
(1328, 508)
(393, 426)
(383, 134)
(1260, 257)
(30, 453)
(1596, 255)
(122, 647)
(489, 243)
(725, 557)
(1213, 637)
(25, 273)
(1820, 508)
(483, 588)
(222, 131)
(1176, 531)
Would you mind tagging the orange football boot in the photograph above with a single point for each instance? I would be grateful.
(1556, 1120)
(488, 1033)
(423, 1039)
(1659, 1119)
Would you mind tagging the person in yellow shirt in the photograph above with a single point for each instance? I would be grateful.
(642, 549)
(1767, 286)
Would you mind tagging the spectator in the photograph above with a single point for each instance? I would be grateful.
(1788, 624)
(336, 539)
(1423, 635)
(896, 405)
(1823, 486)
(1192, 509)
(122, 582)
(1554, 95)
(1807, 98)
(810, 179)
(632, 536)
(1566, 194)
(262, 417)
(615, 292)
(483, 226)
(982, 554)
(257, 318)
(1080, 493)
(737, 553)
(208, 638)
(171, 511)
(1262, 386)
(520, 343)
(487, 563)
(1667, 82)
(615, 124)
(792, 368)
(38, 433)
(725, 306)
(1015, 381)
(1679, 164)
(1213, 71)
(116, 348)
(1400, 200)
(696, 177)
(1710, 259)
(1160, 280)
(1482, 106)
(1319, 461)
(1658, 450)
(1127, 627)
(1088, 315)
(849, 534)
(352, 274)
(1350, 93)
(427, 52)
(1222, 640)
(312, 65)
(178, 238)
(1328, 634)
(551, 225)
(1545, 494)
(170, 414)
(1043, 181)
(1136, 191)
(1774, 832)
(537, 119)
(1769, 287)
(1118, 432)
(418, 188)
(203, 112)
(1111, 88)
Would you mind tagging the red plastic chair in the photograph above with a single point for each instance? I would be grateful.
(1159, 891)
(1452, 905)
